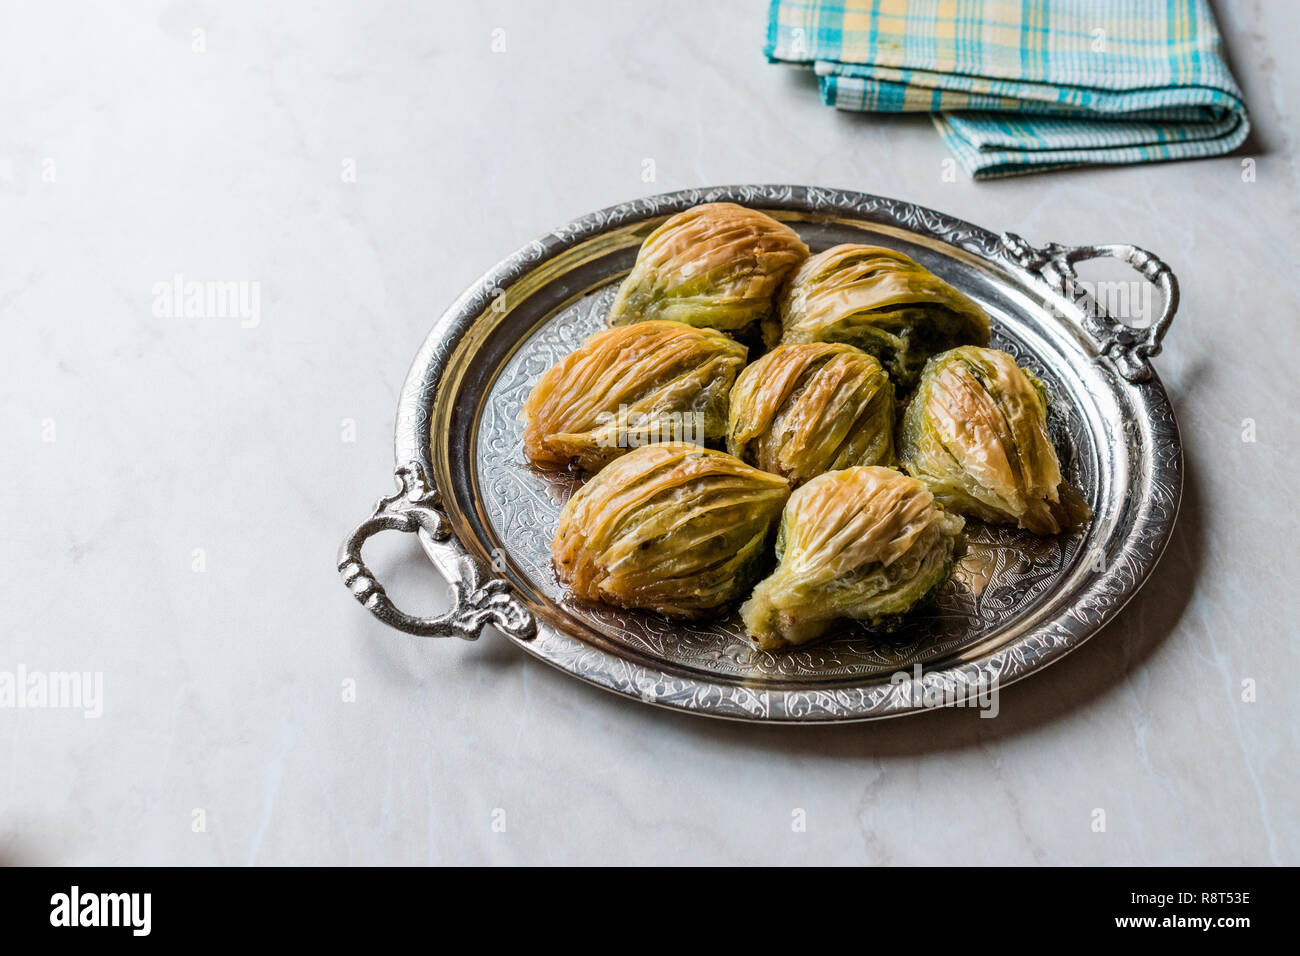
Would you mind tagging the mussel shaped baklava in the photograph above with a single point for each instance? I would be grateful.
(805, 409)
(882, 302)
(673, 528)
(629, 386)
(866, 544)
(717, 265)
(976, 433)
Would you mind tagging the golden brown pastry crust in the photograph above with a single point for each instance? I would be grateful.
(672, 528)
(865, 543)
(976, 433)
(716, 265)
(627, 386)
(884, 303)
(808, 408)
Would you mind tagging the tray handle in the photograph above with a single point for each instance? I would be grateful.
(1129, 348)
(477, 598)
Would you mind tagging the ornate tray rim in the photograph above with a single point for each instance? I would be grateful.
(480, 598)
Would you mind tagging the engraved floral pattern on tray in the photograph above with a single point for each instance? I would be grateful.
(1002, 575)
(1129, 463)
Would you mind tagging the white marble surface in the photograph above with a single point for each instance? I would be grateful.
(222, 687)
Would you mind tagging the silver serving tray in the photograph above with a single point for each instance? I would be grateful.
(1016, 603)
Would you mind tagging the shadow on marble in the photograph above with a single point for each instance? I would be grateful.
(1255, 143)
(16, 850)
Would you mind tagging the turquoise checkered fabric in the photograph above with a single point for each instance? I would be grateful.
(1022, 86)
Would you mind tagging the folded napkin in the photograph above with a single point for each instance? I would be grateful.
(1021, 86)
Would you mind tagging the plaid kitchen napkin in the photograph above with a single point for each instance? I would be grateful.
(1022, 86)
